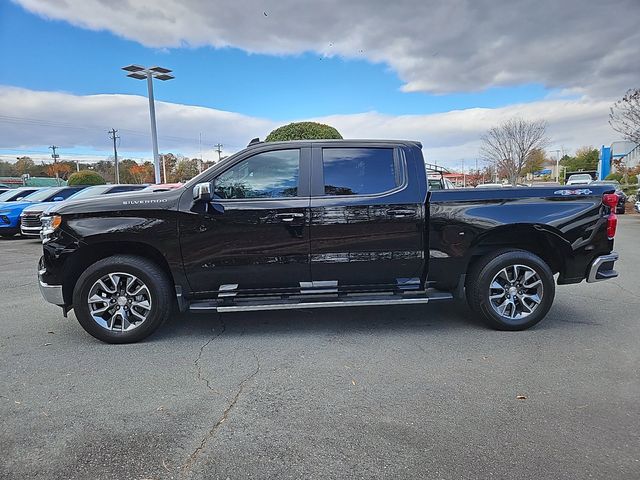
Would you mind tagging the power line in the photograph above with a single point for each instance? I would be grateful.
(47, 123)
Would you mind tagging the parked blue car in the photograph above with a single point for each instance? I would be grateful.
(10, 211)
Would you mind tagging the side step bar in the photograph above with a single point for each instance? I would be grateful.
(290, 303)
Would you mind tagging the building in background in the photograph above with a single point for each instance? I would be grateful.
(15, 182)
(627, 152)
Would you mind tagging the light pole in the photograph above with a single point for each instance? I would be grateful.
(557, 165)
(140, 73)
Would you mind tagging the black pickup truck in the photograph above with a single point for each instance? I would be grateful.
(310, 224)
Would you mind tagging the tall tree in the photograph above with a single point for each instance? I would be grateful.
(586, 158)
(535, 161)
(142, 173)
(6, 169)
(23, 165)
(185, 169)
(624, 117)
(508, 145)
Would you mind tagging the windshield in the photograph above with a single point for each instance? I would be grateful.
(580, 177)
(90, 192)
(9, 195)
(40, 195)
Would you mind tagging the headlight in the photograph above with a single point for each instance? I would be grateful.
(49, 225)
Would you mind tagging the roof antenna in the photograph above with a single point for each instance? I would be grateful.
(254, 141)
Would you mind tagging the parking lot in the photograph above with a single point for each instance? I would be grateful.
(422, 392)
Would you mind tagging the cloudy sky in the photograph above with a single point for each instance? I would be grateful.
(434, 71)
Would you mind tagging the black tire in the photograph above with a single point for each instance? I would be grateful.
(158, 285)
(8, 235)
(481, 276)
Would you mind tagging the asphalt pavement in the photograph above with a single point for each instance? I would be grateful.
(393, 392)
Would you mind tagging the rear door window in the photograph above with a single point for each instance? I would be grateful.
(359, 171)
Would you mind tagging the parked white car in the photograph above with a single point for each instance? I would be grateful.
(579, 179)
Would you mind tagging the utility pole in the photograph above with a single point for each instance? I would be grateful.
(219, 150)
(114, 137)
(55, 157)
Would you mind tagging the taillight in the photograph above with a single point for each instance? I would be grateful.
(612, 223)
(611, 201)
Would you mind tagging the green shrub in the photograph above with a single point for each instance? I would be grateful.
(303, 131)
(614, 176)
(86, 177)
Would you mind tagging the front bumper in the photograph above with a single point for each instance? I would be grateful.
(51, 293)
(30, 231)
(602, 268)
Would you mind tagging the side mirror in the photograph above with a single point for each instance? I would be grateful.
(202, 192)
(58, 199)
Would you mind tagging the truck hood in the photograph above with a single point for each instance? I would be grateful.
(121, 202)
(37, 207)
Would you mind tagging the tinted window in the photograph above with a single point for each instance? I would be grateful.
(358, 171)
(40, 195)
(265, 175)
(65, 193)
(11, 195)
(126, 188)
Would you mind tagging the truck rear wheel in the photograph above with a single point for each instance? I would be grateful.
(511, 289)
(122, 299)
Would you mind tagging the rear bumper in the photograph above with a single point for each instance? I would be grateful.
(602, 268)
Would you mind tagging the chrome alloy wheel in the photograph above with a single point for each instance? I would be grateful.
(119, 302)
(516, 291)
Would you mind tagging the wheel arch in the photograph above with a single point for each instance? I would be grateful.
(91, 253)
(541, 240)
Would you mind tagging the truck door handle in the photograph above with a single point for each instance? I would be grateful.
(400, 212)
(289, 217)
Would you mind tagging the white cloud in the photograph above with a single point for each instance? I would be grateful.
(587, 46)
(27, 122)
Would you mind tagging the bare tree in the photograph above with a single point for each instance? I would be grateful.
(625, 115)
(509, 145)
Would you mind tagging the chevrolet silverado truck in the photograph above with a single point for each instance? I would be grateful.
(313, 224)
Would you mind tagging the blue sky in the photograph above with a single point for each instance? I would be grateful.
(438, 72)
(54, 55)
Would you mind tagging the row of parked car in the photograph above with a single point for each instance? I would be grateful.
(21, 208)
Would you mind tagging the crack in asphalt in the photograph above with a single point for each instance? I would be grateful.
(196, 362)
(186, 467)
(624, 289)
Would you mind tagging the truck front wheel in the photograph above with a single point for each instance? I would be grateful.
(122, 299)
(510, 289)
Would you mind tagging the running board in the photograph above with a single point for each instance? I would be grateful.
(290, 303)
